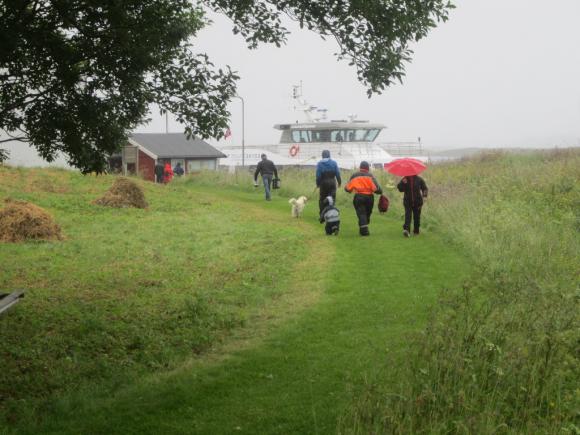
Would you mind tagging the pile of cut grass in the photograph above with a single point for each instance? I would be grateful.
(21, 221)
(122, 194)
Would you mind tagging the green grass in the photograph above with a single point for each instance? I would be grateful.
(130, 291)
(213, 311)
(298, 379)
(499, 355)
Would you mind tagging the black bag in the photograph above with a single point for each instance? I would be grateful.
(276, 183)
(383, 204)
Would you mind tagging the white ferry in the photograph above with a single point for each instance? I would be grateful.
(301, 144)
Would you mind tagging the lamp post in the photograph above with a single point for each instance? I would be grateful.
(243, 133)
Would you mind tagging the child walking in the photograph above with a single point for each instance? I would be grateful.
(331, 216)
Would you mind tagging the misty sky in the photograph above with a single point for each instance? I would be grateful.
(498, 73)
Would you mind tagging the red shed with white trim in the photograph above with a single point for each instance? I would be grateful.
(144, 149)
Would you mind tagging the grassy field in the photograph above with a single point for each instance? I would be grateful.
(499, 355)
(215, 312)
(147, 320)
(133, 291)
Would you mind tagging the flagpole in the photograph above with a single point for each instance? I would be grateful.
(243, 131)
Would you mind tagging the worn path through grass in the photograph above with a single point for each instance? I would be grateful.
(299, 377)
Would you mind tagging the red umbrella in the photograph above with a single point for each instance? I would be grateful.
(405, 167)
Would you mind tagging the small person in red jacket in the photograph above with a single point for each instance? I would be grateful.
(167, 173)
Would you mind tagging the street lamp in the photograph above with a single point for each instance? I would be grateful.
(243, 133)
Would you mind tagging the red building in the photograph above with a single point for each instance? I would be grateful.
(144, 149)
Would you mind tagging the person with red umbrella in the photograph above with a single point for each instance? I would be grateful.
(414, 190)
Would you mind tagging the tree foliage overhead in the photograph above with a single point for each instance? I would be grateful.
(373, 35)
(77, 76)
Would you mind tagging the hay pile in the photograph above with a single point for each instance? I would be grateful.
(21, 221)
(123, 193)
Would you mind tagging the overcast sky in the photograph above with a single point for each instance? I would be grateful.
(499, 73)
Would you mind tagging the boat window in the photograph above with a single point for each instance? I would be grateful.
(360, 135)
(337, 136)
(300, 136)
(315, 136)
(364, 135)
(349, 135)
(372, 134)
(324, 135)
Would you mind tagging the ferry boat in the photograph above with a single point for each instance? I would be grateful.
(301, 144)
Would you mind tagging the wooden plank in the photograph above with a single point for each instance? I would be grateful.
(10, 299)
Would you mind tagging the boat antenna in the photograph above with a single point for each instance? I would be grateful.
(311, 113)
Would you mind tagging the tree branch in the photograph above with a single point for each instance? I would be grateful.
(18, 139)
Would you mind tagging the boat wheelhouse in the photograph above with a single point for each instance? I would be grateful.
(301, 143)
(349, 142)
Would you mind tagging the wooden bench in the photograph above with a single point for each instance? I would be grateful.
(9, 299)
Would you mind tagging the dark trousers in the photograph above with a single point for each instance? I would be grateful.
(332, 228)
(363, 205)
(327, 188)
(416, 212)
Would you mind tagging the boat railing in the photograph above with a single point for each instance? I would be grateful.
(397, 149)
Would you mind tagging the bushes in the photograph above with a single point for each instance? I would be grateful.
(499, 355)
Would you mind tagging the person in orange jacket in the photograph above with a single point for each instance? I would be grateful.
(364, 185)
(167, 173)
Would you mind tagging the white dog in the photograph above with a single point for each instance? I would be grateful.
(298, 206)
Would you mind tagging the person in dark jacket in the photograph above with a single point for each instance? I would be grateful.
(178, 170)
(268, 170)
(414, 190)
(159, 172)
(364, 185)
(331, 216)
(327, 177)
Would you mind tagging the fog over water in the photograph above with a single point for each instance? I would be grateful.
(499, 73)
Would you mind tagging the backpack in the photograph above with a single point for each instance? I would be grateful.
(383, 204)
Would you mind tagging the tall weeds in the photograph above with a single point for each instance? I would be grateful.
(501, 354)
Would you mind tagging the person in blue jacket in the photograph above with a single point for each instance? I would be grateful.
(327, 177)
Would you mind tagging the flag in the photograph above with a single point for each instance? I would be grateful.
(228, 133)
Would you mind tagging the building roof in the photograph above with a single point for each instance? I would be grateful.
(175, 145)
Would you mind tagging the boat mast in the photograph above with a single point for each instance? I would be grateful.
(311, 113)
